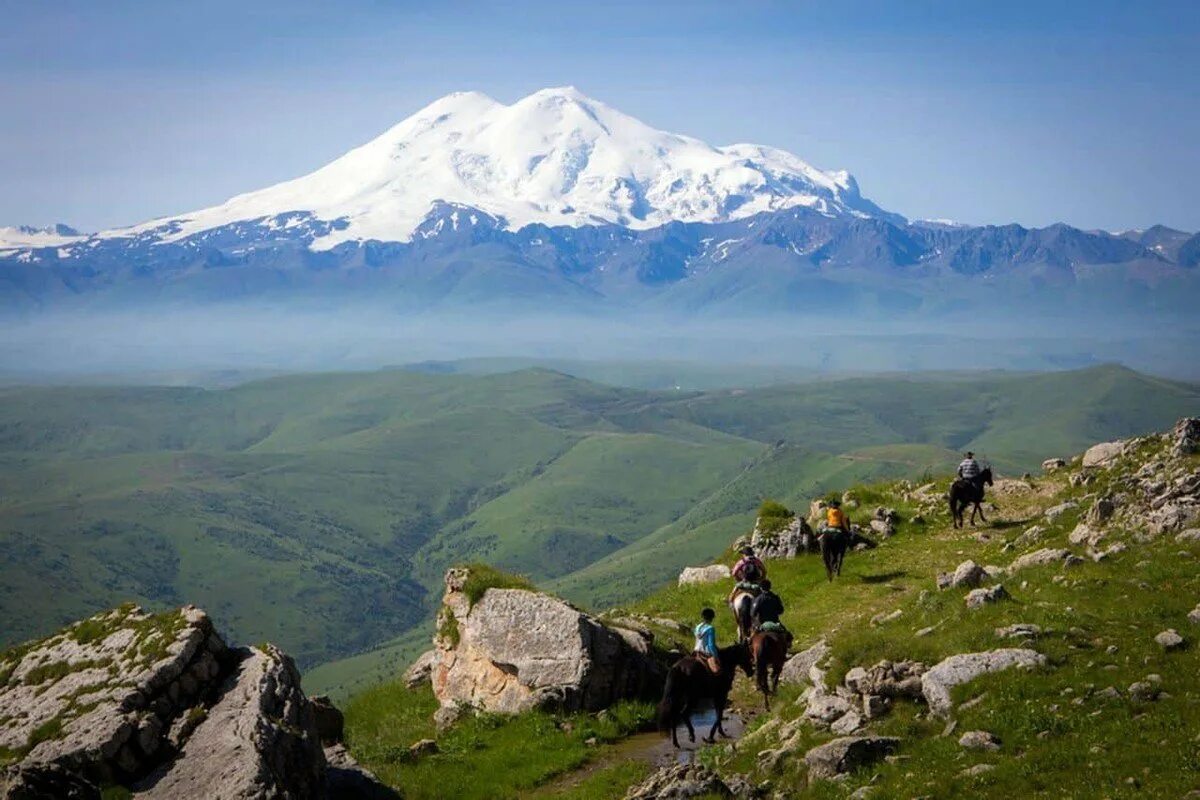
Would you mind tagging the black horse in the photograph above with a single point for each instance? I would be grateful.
(834, 542)
(689, 681)
(964, 492)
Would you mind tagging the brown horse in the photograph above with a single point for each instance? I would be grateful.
(742, 601)
(965, 492)
(768, 650)
(690, 681)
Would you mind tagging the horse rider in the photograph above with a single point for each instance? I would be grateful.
(970, 471)
(705, 649)
(835, 518)
(747, 573)
(766, 611)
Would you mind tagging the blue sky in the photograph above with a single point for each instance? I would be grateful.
(1087, 113)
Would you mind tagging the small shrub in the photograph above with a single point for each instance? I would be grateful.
(773, 517)
(448, 628)
(48, 730)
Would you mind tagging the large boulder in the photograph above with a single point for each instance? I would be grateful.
(259, 740)
(1103, 454)
(848, 753)
(968, 574)
(95, 697)
(157, 703)
(517, 649)
(710, 574)
(798, 668)
(687, 781)
(965, 667)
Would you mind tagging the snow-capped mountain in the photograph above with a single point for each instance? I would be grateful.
(558, 200)
(555, 157)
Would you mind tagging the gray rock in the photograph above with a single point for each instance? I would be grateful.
(977, 770)
(847, 724)
(979, 740)
(1054, 512)
(795, 539)
(1194, 615)
(710, 574)
(447, 715)
(1144, 691)
(346, 779)
(517, 650)
(1101, 512)
(875, 706)
(1190, 535)
(420, 671)
(847, 753)
(259, 739)
(1102, 455)
(796, 669)
(1053, 464)
(968, 574)
(978, 598)
(1185, 437)
(681, 782)
(1020, 630)
(1169, 639)
(1047, 555)
(42, 781)
(965, 667)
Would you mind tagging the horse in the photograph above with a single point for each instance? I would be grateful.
(964, 492)
(741, 604)
(690, 680)
(769, 652)
(834, 542)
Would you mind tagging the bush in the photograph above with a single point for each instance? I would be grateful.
(773, 517)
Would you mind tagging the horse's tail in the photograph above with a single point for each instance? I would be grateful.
(741, 612)
(666, 706)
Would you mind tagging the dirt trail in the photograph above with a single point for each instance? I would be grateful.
(652, 748)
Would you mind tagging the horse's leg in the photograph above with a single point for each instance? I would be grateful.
(673, 720)
(720, 726)
(981, 516)
(687, 720)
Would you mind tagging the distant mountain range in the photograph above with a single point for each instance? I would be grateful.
(559, 199)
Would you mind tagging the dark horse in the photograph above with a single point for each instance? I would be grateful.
(965, 492)
(689, 681)
(834, 542)
(768, 651)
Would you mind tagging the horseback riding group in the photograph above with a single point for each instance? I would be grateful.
(762, 640)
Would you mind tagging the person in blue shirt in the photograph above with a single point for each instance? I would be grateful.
(706, 641)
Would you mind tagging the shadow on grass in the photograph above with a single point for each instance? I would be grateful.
(1005, 524)
(883, 577)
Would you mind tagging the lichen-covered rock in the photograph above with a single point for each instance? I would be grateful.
(848, 753)
(979, 740)
(101, 692)
(710, 574)
(516, 649)
(964, 667)
(259, 739)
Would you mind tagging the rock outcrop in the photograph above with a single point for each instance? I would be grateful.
(686, 781)
(964, 667)
(517, 649)
(1103, 454)
(710, 574)
(794, 539)
(158, 704)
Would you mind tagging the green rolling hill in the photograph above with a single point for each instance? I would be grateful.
(320, 510)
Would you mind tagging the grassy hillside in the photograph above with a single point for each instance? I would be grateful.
(319, 510)
(1081, 714)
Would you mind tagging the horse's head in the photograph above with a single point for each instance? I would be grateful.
(986, 475)
(742, 658)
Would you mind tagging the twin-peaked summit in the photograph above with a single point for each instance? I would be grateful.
(555, 157)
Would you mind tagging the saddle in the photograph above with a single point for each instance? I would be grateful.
(748, 587)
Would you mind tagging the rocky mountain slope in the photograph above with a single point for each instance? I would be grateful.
(1055, 639)
(158, 706)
